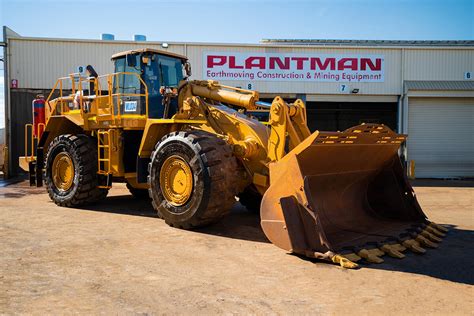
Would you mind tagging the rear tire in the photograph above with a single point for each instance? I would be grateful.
(77, 185)
(205, 196)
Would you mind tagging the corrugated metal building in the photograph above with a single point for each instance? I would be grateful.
(422, 88)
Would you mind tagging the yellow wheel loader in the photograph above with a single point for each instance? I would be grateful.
(193, 146)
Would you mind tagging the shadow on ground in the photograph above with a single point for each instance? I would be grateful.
(452, 261)
(239, 224)
(124, 205)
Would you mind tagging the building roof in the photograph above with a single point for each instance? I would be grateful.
(150, 50)
(277, 43)
(336, 42)
(440, 85)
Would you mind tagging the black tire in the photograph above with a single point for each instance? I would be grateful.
(215, 178)
(140, 194)
(83, 152)
(251, 199)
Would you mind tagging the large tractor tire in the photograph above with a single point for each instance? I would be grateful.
(71, 171)
(251, 199)
(193, 179)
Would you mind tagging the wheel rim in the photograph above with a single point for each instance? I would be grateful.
(176, 180)
(63, 171)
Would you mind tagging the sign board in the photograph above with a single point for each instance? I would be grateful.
(130, 106)
(14, 83)
(295, 67)
(468, 75)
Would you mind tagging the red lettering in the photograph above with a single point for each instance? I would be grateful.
(215, 61)
(299, 61)
(255, 62)
(232, 64)
(347, 63)
(278, 61)
(328, 62)
(364, 62)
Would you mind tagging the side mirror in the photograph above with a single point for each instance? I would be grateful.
(131, 60)
(187, 68)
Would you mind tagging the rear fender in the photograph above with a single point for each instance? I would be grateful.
(58, 125)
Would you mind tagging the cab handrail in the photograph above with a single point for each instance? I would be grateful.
(78, 86)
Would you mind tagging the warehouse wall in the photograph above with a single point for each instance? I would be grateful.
(436, 64)
(37, 63)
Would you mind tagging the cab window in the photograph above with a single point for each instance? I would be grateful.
(131, 83)
(171, 71)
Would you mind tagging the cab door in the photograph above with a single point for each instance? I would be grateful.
(129, 92)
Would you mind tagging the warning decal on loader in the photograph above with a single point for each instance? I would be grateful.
(130, 106)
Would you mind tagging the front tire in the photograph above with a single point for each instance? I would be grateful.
(193, 179)
(71, 171)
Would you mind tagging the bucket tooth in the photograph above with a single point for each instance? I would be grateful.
(371, 255)
(441, 228)
(398, 247)
(414, 246)
(430, 236)
(352, 257)
(392, 251)
(434, 231)
(425, 242)
(344, 262)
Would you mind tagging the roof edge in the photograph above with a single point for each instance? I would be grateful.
(395, 43)
(151, 50)
(434, 85)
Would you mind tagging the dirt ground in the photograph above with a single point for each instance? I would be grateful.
(118, 257)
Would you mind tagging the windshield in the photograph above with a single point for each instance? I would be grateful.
(163, 71)
(171, 71)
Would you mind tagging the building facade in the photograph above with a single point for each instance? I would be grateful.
(422, 88)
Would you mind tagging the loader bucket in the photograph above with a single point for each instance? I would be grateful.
(344, 196)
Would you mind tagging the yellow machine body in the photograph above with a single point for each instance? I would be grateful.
(339, 196)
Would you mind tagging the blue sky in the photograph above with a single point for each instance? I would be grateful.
(240, 21)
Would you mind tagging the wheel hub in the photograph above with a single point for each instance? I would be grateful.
(176, 180)
(63, 171)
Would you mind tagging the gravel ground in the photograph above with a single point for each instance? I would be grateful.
(118, 257)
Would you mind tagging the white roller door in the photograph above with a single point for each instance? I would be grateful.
(441, 137)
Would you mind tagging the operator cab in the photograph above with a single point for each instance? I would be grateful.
(160, 71)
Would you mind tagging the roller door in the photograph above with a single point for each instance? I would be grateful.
(441, 137)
